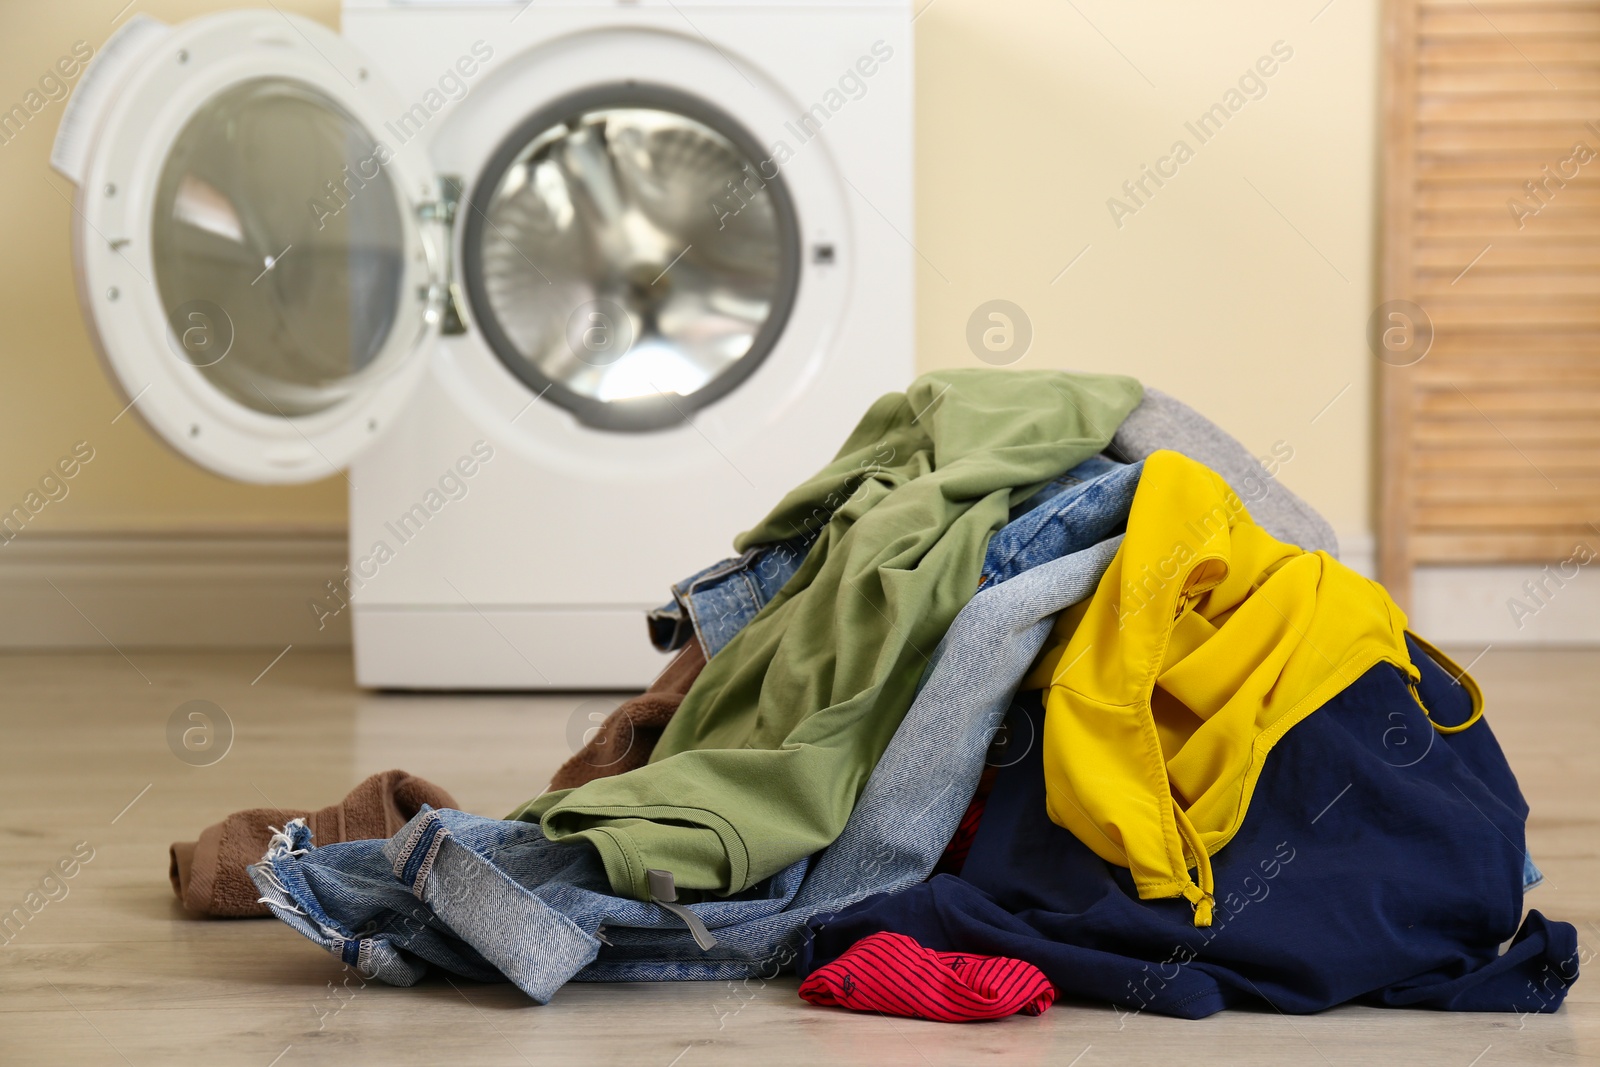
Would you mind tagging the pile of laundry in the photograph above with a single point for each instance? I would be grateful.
(1043, 687)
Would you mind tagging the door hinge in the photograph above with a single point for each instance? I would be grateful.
(441, 211)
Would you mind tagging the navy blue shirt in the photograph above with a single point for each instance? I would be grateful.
(1380, 862)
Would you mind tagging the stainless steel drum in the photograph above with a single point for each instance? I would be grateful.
(632, 254)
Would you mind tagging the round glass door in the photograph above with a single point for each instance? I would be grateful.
(278, 241)
(632, 254)
(256, 267)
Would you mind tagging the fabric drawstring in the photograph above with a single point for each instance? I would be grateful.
(1416, 694)
(664, 892)
(1202, 896)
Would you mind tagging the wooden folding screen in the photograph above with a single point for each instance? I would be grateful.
(1490, 441)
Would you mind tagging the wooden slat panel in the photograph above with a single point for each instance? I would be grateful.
(1581, 281)
(1511, 74)
(1499, 175)
(1558, 463)
(1509, 489)
(1492, 221)
(1540, 415)
(1548, 434)
(1530, 313)
(1539, 50)
(1491, 20)
(1498, 546)
(1500, 168)
(1549, 515)
(1505, 369)
(1572, 346)
(1552, 138)
(1530, 248)
(1426, 8)
(1491, 444)
(1490, 197)
(1542, 104)
(1531, 402)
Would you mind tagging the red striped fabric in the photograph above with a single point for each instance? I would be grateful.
(955, 853)
(892, 974)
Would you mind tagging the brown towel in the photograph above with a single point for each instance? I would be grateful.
(629, 734)
(208, 875)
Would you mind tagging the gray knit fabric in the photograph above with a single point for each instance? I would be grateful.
(1163, 422)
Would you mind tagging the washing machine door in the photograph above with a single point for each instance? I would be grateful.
(252, 246)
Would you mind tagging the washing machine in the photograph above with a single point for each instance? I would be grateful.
(569, 292)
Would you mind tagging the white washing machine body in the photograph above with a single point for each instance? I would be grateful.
(517, 182)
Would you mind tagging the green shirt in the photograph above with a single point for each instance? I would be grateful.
(766, 756)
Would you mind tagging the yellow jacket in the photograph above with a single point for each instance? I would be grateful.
(1206, 640)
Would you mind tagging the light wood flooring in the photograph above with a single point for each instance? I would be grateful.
(115, 973)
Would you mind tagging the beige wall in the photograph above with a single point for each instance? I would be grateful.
(1030, 119)
(1242, 285)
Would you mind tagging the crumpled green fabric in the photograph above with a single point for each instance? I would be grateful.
(768, 752)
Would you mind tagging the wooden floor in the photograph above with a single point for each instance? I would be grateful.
(114, 973)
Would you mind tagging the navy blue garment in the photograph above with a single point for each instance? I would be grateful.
(1379, 862)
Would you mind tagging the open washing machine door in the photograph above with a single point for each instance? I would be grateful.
(261, 273)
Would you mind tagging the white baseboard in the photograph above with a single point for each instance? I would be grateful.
(88, 591)
(1475, 605)
(85, 591)
(1490, 605)
(506, 648)
(1358, 550)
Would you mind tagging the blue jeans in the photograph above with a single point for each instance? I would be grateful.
(715, 603)
(1086, 505)
(485, 898)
